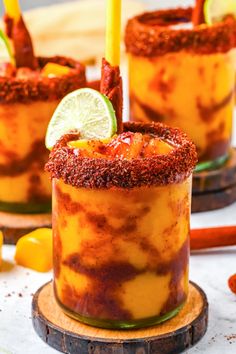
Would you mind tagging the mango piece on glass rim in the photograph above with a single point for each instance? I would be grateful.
(54, 70)
(34, 250)
(1, 243)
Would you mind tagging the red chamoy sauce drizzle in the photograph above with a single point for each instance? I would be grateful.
(127, 145)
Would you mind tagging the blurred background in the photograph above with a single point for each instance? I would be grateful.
(28, 4)
(76, 28)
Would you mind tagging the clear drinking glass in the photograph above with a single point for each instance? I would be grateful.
(184, 76)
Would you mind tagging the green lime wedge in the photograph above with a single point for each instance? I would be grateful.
(6, 55)
(86, 111)
(216, 10)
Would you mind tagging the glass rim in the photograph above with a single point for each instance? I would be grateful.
(149, 34)
(97, 173)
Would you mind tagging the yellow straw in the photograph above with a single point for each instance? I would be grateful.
(113, 32)
(12, 9)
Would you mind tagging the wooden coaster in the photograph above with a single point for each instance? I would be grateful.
(14, 226)
(218, 179)
(215, 189)
(69, 336)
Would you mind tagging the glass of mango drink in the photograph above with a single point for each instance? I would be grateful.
(183, 76)
(28, 96)
(121, 210)
(27, 101)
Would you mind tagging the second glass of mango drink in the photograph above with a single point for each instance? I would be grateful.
(121, 209)
(31, 88)
(182, 75)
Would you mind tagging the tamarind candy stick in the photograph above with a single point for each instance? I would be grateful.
(198, 13)
(212, 237)
(18, 32)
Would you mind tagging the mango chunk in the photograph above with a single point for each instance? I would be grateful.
(34, 250)
(54, 70)
(1, 243)
(157, 146)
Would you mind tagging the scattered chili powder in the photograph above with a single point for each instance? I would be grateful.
(198, 13)
(232, 283)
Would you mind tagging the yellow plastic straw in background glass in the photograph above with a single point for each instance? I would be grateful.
(113, 32)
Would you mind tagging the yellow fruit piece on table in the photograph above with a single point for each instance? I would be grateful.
(34, 250)
(1, 243)
(53, 69)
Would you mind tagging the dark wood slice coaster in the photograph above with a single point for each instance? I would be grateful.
(218, 179)
(69, 336)
(94, 85)
(14, 226)
(213, 200)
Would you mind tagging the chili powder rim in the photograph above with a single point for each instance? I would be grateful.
(143, 39)
(15, 90)
(99, 173)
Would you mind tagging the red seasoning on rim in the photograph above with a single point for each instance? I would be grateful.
(150, 34)
(157, 170)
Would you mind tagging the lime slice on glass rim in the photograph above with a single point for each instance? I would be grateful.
(216, 10)
(6, 55)
(86, 111)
